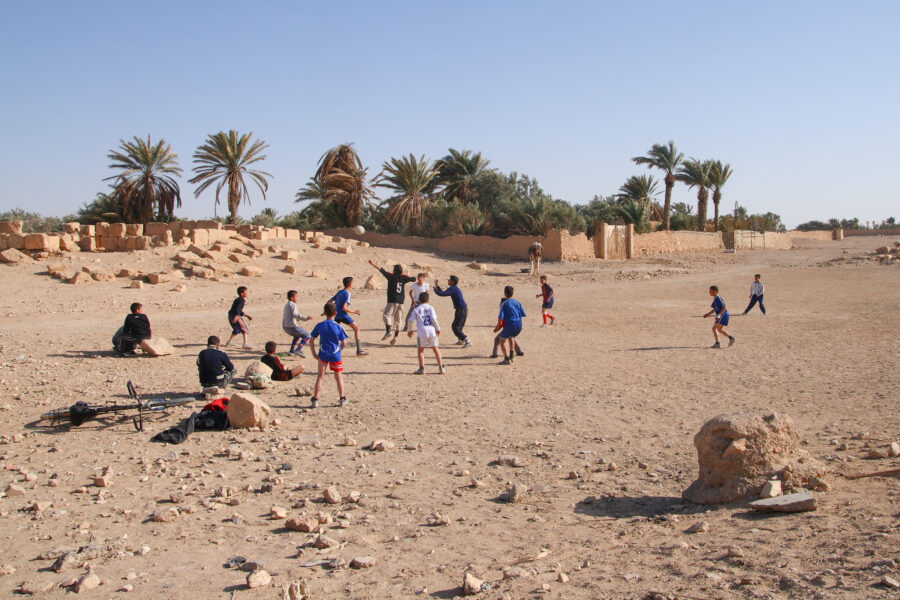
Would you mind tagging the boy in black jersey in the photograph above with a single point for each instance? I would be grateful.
(393, 310)
(135, 329)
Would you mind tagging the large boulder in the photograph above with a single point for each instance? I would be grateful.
(258, 368)
(157, 346)
(374, 283)
(739, 452)
(246, 410)
(13, 256)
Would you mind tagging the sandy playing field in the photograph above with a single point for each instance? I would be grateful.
(625, 375)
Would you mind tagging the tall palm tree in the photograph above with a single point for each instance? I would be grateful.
(343, 181)
(414, 181)
(696, 175)
(640, 188)
(718, 176)
(224, 159)
(668, 159)
(459, 173)
(145, 182)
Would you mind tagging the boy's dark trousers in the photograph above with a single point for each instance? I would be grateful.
(459, 321)
(753, 301)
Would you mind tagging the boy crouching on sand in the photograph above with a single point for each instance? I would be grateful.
(333, 338)
(279, 371)
(718, 307)
(428, 331)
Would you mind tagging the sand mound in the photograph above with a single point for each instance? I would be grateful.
(738, 453)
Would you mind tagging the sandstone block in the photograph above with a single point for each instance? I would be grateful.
(215, 256)
(344, 249)
(41, 241)
(200, 237)
(801, 502)
(155, 228)
(289, 255)
(157, 278)
(157, 346)
(246, 410)
(292, 234)
(68, 244)
(103, 276)
(134, 229)
(126, 273)
(137, 284)
(111, 244)
(16, 241)
(238, 257)
(87, 244)
(13, 256)
(88, 230)
(209, 224)
(202, 272)
(362, 244)
(257, 368)
(304, 524)
(374, 283)
(250, 271)
(72, 227)
(4, 241)
(80, 277)
(291, 269)
(116, 230)
(10, 226)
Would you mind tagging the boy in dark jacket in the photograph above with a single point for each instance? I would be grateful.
(135, 329)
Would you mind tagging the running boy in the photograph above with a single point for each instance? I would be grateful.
(236, 318)
(547, 304)
(289, 324)
(333, 339)
(415, 291)
(509, 323)
(342, 304)
(756, 295)
(393, 310)
(428, 329)
(279, 371)
(461, 309)
(718, 307)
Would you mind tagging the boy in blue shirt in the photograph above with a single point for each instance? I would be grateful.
(509, 324)
(718, 307)
(342, 304)
(461, 309)
(333, 339)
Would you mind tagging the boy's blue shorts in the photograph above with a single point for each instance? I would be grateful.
(346, 320)
(548, 304)
(238, 326)
(722, 319)
(510, 331)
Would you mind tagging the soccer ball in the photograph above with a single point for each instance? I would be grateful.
(359, 229)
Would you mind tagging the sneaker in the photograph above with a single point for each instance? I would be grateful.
(314, 402)
(467, 344)
(520, 353)
(386, 335)
(394, 340)
(494, 356)
(362, 353)
(459, 343)
(506, 361)
(716, 345)
(442, 370)
(343, 401)
(299, 352)
(419, 371)
(247, 347)
(544, 325)
(731, 341)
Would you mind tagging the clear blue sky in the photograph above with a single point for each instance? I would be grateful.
(801, 98)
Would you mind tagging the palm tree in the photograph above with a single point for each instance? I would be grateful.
(145, 182)
(635, 211)
(312, 191)
(718, 176)
(224, 159)
(668, 159)
(459, 174)
(414, 181)
(696, 174)
(640, 188)
(343, 181)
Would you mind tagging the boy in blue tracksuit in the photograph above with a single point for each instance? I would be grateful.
(509, 324)
(718, 307)
(461, 309)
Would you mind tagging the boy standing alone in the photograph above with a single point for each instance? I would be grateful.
(461, 309)
(547, 303)
(236, 318)
(756, 295)
(718, 307)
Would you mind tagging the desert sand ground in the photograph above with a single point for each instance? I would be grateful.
(626, 376)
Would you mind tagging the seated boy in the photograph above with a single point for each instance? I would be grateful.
(214, 365)
(135, 329)
(279, 371)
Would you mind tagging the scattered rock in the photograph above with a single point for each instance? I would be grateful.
(165, 516)
(251, 271)
(102, 482)
(514, 493)
(562, 577)
(304, 524)
(348, 441)
(698, 527)
(88, 581)
(770, 489)
(258, 578)
(510, 460)
(362, 562)
(295, 591)
(800, 502)
(477, 266)
(137, 284)
(13, 490)
(246, 410)
(374, 283)
(380, 445)
(734, 552)
(277, 513)
(890, 582)
(471, 584)
(157, 346)
(894, 450)
(332, 496)
(323, 541)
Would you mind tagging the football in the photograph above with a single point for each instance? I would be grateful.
(359, 229)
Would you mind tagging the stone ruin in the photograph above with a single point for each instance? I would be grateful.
(739, 453)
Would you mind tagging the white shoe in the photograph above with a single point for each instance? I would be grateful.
(467, 344)
(419, 371)
(459, 343)
(247, 347)
(544, 325)
(442, 370)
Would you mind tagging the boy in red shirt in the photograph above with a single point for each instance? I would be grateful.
(547, 304)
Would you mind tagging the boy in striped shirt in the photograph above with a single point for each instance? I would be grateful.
(756, 295)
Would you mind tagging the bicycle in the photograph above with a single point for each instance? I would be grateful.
(81, 411)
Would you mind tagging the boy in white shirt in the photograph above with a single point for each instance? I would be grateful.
(428, 331)
(292, 315)
(756, 295)
(416, 289)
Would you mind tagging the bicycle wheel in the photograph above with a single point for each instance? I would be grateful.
(166, 403)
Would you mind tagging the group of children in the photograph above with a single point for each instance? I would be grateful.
(216, 369)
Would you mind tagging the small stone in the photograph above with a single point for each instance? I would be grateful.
(890, 582)
(258, 578)
(66, 561)
(510, 460)
(573, 475)
(323, 541)
(126, 588)
(562, 578)
(177, 498)
(362, 562)
(89, 581)
(894, 450)
(348, 441)
(820, 485)
(137, 284)
(40, 506)
(437, 520)
(277, 513)
(381, 445)
(241, 385)
(734, 552)
(698, 527)
(306, 525)
(612, 466)
(332, 496)
(515, 493)
(102, 481)
(296, 591)
(324, 518)
(800, 502)
(876, 454)
(7, 570)
(143, 550)
(165, 516)
(471, 584)
(771, 489)
(353, 496)
(514, 573)
(13, 490)
(252, 565)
